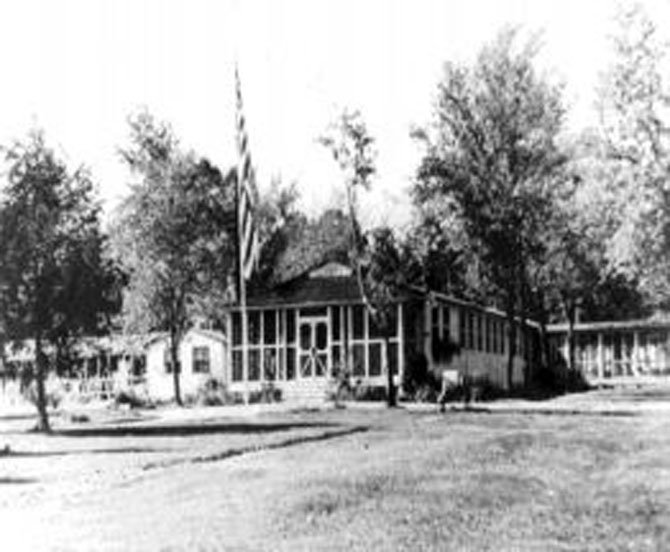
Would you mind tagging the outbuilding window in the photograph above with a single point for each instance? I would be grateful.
(201, 364)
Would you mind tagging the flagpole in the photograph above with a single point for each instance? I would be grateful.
(240, 251)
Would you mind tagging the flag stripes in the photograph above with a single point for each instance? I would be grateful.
(246, 194)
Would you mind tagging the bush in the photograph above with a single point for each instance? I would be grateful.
(214, 392)
(558, 379)
(419, 383)
(131, 398)
(472, 389)
(369, 393)
(341, 388)
(267, 394)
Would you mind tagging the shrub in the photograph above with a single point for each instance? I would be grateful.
(341, 388)
(267, 394)
(419, 383)
(426, 393)
(214, 392)
(131, 398)
(369, 393)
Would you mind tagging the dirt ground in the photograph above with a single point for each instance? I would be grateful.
(584, 472)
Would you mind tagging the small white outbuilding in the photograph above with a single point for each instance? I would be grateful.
(202, 356)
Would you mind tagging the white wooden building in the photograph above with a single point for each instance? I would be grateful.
(306, 329)
(622, 352)
(202, 355)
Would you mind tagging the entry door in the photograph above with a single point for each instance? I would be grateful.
(313, 347)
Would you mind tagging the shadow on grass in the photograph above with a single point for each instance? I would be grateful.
(75, 452)
(186, 430)
(284, 443)
(17, 480)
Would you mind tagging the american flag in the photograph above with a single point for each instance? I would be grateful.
(246, 193)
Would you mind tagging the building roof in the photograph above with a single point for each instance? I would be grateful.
(309, 290)
(210, 334)
(621, 325)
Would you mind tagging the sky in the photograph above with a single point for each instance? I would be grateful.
(78, 68)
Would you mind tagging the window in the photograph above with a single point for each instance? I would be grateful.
(335, 318)
(200, 360)
(375, 358)
(238, 370)
(435, 333)
(489, 335)
(270, 364)
(446, 322)
(167, 359)
(254, 364)
(237, 328)
(358, 352)
(359, 322)
(480, 332)
(254, 327)
(269, 327)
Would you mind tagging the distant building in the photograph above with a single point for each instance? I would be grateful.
(617, 352)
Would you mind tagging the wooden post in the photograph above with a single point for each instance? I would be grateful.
(601, 358)
(635, 360)
(401, 347)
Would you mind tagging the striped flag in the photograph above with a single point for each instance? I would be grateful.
(247, 195)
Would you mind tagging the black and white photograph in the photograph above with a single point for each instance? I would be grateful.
(335, 275)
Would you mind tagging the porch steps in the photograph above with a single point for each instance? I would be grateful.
(306, 391)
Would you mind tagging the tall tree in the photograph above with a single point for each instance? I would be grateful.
(53, 280)
(376, 258)
(491, 157)
(635, 110)
(173, 236)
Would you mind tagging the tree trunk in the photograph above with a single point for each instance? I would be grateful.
(545, 348)
(571, 311)
(175, 341)
(40, 371)
(391, 396)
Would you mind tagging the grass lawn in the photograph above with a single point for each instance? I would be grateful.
(316, 480)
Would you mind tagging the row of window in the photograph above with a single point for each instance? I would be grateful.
(476, 331)
(306, 342)
(621, 356)
(200, 360)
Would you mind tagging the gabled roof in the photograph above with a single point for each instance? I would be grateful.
(210, 334)
(328, 283)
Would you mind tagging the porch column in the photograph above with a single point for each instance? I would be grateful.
(601, 357)
(349, 336)
(227, 377)
(635, 360)
(401, 346)
(329, 368)
(426, 332)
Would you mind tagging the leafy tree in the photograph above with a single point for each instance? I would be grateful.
(635, 109)
(378, 262)
(280, 225)
(173, 236)
(491, 159)
(314, 242)
(54, 283)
